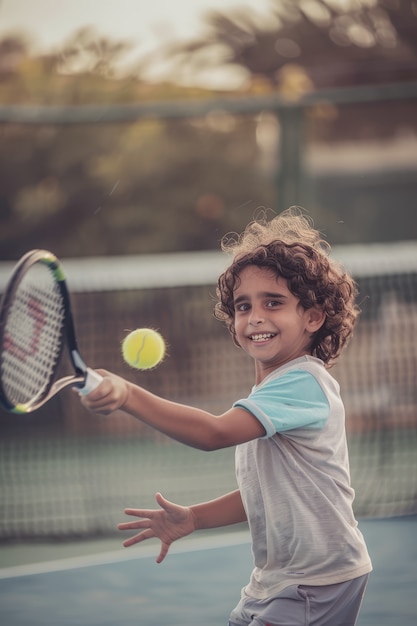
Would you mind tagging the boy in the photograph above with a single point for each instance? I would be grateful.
(292, 309)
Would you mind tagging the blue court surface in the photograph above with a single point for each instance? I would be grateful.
(198, 583)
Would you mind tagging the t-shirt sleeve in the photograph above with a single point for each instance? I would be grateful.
(293, 400)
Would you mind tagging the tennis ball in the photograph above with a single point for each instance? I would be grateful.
(143, 348)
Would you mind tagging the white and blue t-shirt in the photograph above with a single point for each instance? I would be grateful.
(295, 483)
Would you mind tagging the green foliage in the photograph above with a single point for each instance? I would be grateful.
(160, 186)
(114, 189)
(335, 42)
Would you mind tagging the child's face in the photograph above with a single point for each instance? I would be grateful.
(271, 325)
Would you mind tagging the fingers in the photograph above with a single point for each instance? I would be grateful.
(164, 503)
(146, 534)
(146, 516)
(139, 512)
(134, 525)
(163, 552)
(108, 396)
(145, 524)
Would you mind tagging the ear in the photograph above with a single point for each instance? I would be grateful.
(314, 319)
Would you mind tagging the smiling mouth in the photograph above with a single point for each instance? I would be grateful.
(259, 337)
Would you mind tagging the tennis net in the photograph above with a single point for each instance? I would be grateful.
(67, 473)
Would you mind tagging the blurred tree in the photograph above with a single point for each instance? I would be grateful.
(116, 189)
(337, 43)
(315, 44)
(163, 186)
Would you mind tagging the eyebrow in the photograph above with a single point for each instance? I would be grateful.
(263, 294)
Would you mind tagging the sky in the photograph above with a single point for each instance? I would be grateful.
(145, 23)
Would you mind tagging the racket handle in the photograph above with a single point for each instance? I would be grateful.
(92, 380)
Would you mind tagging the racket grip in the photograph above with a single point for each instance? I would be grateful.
(92, 380)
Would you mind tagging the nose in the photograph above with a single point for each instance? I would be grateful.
(256, 318)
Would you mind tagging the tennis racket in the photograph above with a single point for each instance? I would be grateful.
(35, 324)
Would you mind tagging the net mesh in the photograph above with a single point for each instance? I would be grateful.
(68, 473)
(32, 336)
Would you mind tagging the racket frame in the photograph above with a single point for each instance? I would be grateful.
(84, 379)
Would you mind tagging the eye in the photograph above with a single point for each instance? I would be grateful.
(273, 303)
(242, 307)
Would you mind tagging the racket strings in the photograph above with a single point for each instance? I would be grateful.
(33, 336)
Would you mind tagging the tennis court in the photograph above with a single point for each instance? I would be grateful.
(198, 584)
(67, 475)
(346, 154)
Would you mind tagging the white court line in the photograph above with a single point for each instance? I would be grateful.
(117, 556)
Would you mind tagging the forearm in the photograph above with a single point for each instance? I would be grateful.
(188, 425)
(223, 511)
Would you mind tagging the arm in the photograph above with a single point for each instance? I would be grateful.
(172, 521)
(223, 511)
(191, 426)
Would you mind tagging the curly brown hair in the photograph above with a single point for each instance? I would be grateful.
(293, 249)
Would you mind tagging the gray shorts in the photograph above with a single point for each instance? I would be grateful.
(302, 605)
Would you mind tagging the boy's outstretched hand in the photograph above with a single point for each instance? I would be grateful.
(169, 523)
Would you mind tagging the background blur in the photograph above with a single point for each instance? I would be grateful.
(138, 177)
(130, 163)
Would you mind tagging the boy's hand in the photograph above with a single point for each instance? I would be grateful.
(169, 523)
(110, 395)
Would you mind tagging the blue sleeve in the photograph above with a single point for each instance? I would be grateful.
(293, 400)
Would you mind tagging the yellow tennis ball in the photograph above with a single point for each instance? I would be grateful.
(143, 348)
